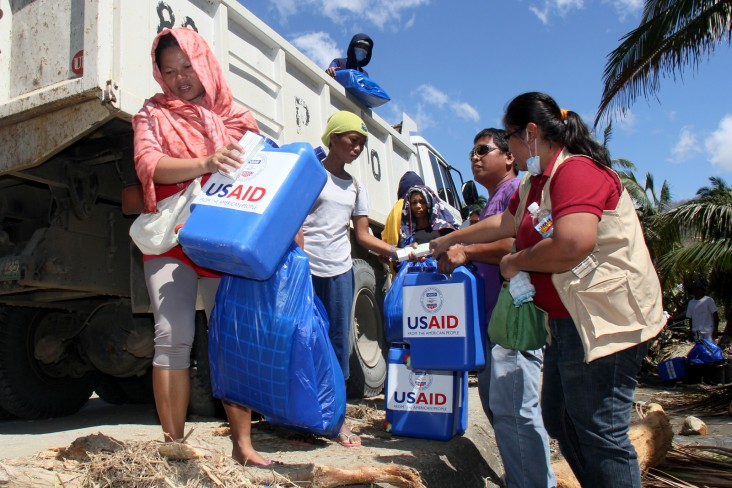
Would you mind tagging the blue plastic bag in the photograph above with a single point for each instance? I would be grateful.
(366, 90)
(269, 349)
(393, 300)
(705, 352)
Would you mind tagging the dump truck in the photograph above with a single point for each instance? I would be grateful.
(74, 309)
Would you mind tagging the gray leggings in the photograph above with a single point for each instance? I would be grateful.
(173, 288)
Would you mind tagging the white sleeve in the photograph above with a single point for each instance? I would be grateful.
(361, 206)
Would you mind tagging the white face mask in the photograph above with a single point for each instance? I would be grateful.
(533, 164)
(360, 54)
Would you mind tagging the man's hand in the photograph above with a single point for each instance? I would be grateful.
(454, 257)
(331, 72)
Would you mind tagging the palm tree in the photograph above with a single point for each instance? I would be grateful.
(700, 233)
(671, 35)
(649, 205)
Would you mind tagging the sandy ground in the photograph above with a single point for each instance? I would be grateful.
(465, 461)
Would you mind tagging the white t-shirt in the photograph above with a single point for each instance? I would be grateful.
(326, 226)
(701, 314)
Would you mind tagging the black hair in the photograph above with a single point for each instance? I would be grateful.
(165, 41)
(542, 110)
(499, 139)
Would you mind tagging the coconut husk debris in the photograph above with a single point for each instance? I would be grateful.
(147, 464)
(651, 436)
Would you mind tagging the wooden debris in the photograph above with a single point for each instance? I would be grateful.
(321, 476)
(651, 437)
(221, 431)
(149, 464)
(80, 449)
(693, 426)
(6, 474)
(178, 451)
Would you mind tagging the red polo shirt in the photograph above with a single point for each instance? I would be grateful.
(578, 186)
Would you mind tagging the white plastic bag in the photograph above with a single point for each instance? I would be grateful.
(154, 233)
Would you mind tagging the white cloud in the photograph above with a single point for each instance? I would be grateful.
(423, 119)
(561, 7)
(626, 121)
(569, 4)
(686, 147)
(719, 145)
(318, 46)
(380, 13)
(626, 8)
(542, 14)
(433, 96)
(466, 111)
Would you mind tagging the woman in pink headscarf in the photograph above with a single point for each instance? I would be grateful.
(189, 130)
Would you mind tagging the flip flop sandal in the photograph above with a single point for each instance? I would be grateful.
(345, 440)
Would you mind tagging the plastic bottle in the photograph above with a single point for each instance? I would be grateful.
(541, 218)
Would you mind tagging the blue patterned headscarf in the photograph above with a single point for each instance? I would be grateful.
(439, 217)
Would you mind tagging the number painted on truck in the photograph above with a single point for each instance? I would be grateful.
(302, 114)
(167, 18)
(375, 165)
(9, 269)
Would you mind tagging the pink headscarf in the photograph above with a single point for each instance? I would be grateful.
(170, 126)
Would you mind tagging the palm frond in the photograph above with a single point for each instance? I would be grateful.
(700, 220)
(700, 256)
(624, 163)
(671, 35)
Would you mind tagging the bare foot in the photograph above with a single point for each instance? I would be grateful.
(250, 458)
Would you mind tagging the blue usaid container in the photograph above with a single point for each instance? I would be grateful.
(673, 369)
(245, 227)
(425, 404)
(443, 319)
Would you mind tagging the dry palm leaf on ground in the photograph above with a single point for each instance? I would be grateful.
(692, 466)
(154, 464)
(698, 399)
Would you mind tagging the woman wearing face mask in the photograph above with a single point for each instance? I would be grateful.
(357, 56)
(593, 276)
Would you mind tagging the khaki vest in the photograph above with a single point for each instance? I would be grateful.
(618, 304)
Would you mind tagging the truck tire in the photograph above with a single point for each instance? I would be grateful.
(26, 389)
(367, 361)
(5, 415)
(121, 391)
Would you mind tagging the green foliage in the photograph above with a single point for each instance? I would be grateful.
(700, 235)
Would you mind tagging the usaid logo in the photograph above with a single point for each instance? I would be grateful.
(420, 379)
(254, 166)
(431, 300)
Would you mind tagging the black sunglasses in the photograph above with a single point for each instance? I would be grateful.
(481, 150)
(509, 135)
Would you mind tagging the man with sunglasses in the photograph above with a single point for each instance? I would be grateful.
(509, 385)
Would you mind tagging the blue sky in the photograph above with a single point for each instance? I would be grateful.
(454, 65)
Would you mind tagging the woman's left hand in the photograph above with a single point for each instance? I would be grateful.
(225, 159)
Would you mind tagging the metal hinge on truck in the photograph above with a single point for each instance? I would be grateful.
(110, 92)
